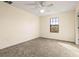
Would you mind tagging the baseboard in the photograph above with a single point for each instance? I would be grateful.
(33, 39)
(18, 43)
(57, 40)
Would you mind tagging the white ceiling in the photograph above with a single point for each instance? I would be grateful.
(59, 6)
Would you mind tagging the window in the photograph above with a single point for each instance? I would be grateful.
(54, 25)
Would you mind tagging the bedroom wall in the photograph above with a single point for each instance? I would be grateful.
(66, 26)
(16, 25)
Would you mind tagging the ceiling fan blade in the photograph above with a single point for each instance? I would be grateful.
(30, 4)
(9, 2)
(50, 5)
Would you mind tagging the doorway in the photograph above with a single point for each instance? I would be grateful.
(77, 28)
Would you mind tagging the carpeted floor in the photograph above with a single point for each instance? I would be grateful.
(41, 47)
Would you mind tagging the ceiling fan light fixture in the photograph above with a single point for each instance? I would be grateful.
(42, 11)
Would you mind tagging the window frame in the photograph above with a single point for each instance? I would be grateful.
(54, 27)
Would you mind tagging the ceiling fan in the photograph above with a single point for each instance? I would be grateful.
(41, 4)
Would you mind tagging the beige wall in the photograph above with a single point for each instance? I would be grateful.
(66, 26)
(16, 25)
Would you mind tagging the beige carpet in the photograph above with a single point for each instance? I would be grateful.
(42, 47)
